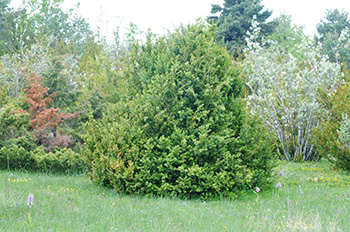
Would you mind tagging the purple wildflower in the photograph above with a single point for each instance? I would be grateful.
(281, 173)
(30, 199)
(257, 189)
(278, 185)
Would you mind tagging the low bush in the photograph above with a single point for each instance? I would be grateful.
(15, 157)
(16, 140)
(60, 160)
(15, 129)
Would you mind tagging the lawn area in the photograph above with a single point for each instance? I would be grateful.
(312, 197)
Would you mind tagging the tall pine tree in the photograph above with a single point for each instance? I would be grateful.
(329, 31)
(234, 20)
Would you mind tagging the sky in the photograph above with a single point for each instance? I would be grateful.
(163, 15)
(307, 13)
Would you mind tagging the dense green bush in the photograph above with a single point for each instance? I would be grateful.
(180, 128)
(61, 159)
(15, 157)
(329, 141)
(16, 140)
(15, 129)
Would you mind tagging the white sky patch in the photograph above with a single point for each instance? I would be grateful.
(163, 15)
(159, 15)
(307, 13)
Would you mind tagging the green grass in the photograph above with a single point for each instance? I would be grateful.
(72, 203)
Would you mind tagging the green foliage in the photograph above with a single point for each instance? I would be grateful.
(257, 144)
(15, 129)
(287, 34)
(41, 20)
(344, 132)
(41, 37)
(328, 138)
(15, 157)
(61, 159)
(61, 72)
(133, 33)
(61, 77)
(33, 58)
(49, 19)
(330, 30)
(99, 81)
(179, 128)
(235, 20)
(18, 145)
(335, 21)
(15, 29)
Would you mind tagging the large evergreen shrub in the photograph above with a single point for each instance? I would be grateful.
(181, 128)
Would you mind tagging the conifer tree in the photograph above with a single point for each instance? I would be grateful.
(179, 127)
(330, 30)
(235, 19)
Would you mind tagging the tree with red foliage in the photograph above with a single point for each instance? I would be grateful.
(45, 120)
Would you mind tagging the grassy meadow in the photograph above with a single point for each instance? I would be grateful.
(312, 197)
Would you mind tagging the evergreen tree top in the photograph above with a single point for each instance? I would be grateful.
(234, 20)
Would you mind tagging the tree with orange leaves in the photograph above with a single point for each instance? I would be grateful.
(45, 120)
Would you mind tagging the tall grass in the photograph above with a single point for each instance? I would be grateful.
(311, 198)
